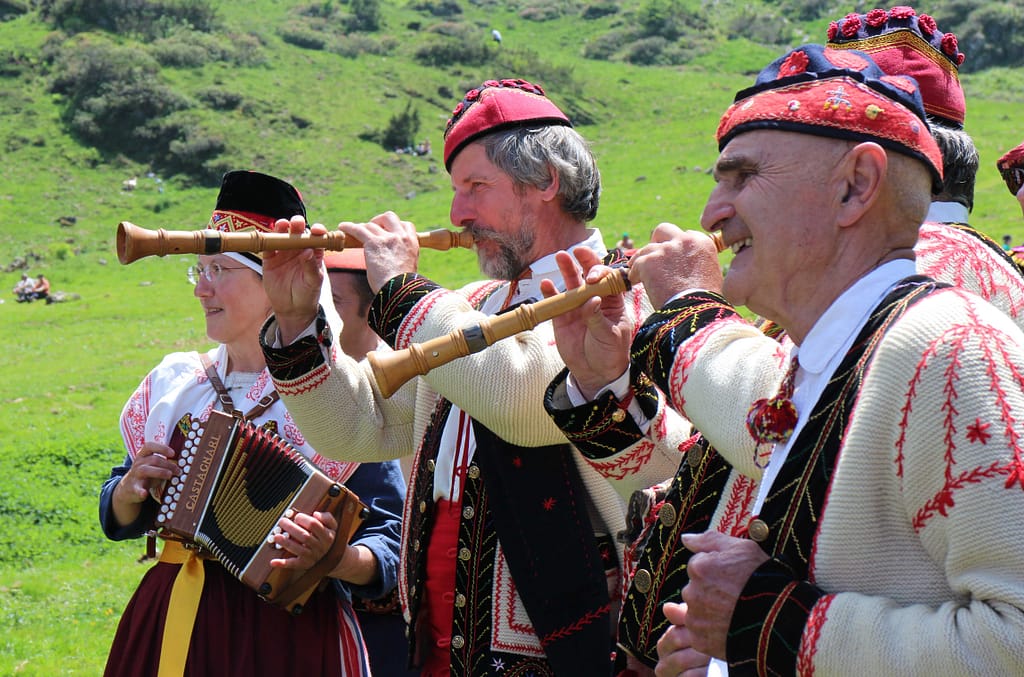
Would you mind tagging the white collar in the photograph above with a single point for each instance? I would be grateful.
(547, 267)
(947, 212)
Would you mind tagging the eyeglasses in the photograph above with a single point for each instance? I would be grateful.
(1014, 178)
(210, 273)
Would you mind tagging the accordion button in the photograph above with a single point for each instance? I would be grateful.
(473, 472)
(468, 512)
(465, 554)
(458, 641)
(460, 600)
(431, 465)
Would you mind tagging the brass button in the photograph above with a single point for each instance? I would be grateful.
(758, 530)
(473, 472)
(694, 456)
(431, 465)
(667, 515)
(458, 642)
(642, 580)
(460, 600)
(423, 506)
(464, 554)
(619, 415)
(416, 546)
(468, 512)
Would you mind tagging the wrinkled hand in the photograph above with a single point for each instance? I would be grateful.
(718, 570)
(304, 539)
(390, 244)
(674, 261)
(676, 655)
(292, 279)
(593, 340)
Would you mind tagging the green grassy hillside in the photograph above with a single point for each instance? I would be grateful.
(302, 113)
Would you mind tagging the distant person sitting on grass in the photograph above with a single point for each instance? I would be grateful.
(41, 290)
(23, 289)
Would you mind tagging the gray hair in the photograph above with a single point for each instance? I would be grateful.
(959, 164)
(528, 155)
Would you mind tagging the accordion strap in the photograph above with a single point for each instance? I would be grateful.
(225, 399)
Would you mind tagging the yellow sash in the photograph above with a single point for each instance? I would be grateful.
(181, 609)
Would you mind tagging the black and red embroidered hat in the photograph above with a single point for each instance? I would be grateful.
(497, 105)
(836, 93)
(903, 42)
(254, 201)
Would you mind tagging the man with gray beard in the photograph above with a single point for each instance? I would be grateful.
(509, 557)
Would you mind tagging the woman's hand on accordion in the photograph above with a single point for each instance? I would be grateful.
(307, 538)
(152, 466)
(304, 539)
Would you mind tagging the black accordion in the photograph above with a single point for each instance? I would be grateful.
(237, 480)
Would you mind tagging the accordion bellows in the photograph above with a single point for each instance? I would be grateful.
(237, 480)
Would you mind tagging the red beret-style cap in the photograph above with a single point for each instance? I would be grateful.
(1012, 158)
(347, 260)
(835, 93)
(903, 42)
(497, 105)
(1011, 167)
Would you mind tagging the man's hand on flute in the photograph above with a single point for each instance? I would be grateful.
(674, 261)
(292, 280)
(392, 247)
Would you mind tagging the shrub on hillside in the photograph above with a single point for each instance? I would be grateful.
(992, 35)
(402, 130)
(219, 98)
(761, 25)
(443, 52)
(301, 34)
(351, 46)
(599, 8)
(672, 19)
(148, 19)
(542, 11)
(187, 48)
(604, 47)
(365, 16)
(442, 8)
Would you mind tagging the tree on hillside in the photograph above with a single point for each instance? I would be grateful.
(145, 18)
(365, 15)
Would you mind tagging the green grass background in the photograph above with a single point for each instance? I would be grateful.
(68, 368)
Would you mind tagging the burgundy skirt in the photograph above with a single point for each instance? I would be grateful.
(236, 633)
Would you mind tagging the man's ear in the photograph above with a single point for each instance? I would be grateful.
(862, 171)
(551, 192)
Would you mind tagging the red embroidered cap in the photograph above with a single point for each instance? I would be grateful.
(1011, 166)
(903, 42)
(345, 261)
(496, 105)
(840, 94)
(254, 201)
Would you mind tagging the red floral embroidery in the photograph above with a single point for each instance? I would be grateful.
(927, 25)
(949, 44)
(902, 12)
(877, 17)
(794, 64)
(549, 504)
(900, 82)
(977, 432)
(844, 58)
(472, 95)
(851, 24)
(833, 31)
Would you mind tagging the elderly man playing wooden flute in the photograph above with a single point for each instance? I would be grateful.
(510, 563)
(889, 455)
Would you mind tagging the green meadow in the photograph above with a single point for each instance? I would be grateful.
(69, 367)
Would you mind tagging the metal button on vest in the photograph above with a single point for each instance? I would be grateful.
(423, 506)
(642, 580)
(667, 515)
(416, 546)
(464, 554)
(618, 415)
(460, 600)
(473, 472)
(431, 465)
(694, 456)
(458, 642)
(758, 530)
(468, 512)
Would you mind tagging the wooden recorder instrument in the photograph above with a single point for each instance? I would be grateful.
(134, 242)
(394, 369)
(237, 481)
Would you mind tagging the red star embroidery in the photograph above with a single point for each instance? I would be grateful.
(976, 432)
(517, 462)
(549, 504)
